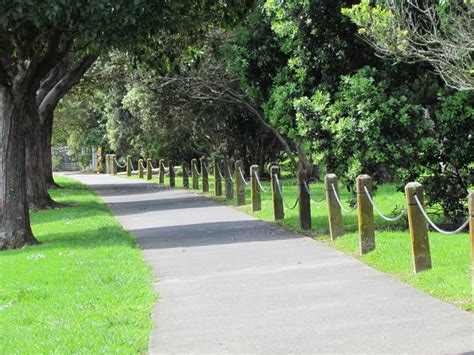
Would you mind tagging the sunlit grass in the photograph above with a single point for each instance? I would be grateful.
(85, 289)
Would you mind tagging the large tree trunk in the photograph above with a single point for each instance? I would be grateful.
(15, 230)
(37, 191)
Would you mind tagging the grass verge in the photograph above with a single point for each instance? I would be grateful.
(450, 278)
(85, 289)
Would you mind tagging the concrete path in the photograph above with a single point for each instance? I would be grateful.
(229, 283)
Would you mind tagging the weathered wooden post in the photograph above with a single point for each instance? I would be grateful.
(184, 168)
(256, 193)
(113, 163)
(278, 211)
(229, 185)
(470, 201)
(304, 204)
(420, 245)
(239, 182)
(171, 174)
(195, 174)
(366, 214)
(204, 175)
(161, 172)
(129, 165)
(140, 168)
(334, 210)
(149, 171)
(107, 163)
(217, 178)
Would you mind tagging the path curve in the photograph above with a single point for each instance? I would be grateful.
(229, 283)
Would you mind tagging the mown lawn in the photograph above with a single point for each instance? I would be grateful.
(85, 289)
(449, 279)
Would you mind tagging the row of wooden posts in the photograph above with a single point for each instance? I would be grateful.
(222, 174)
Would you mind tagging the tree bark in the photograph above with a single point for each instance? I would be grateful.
(37, 191)
(47, 138)
(15, 230)
(48, 97)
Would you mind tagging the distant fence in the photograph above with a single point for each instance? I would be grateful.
(232, 176)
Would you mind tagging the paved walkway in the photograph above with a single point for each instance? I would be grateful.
(229, 283)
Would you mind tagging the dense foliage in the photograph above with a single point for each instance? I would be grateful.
(304, 68)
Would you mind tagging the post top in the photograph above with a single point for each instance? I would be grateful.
(330, 178)
(364, 177)
(413, 186)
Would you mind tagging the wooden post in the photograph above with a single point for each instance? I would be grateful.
(304, 204)
(470, 201)
(113, 163)
(217, 178)
(107, 163)
(161, 172)
(420, 245)
(171, 174)
(149, 171)
(239, 182)
(229, 185)
(366, 215)
(256, 193)
(194, 173)
(334, 210)
(278, 211)
(185, 169)
(140, 168)
(129, 165)
(204, 175)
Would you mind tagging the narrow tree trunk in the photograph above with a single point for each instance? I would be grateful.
(15, 230)
(37, 191)
(47, 137)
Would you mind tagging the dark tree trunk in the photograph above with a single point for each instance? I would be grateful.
(37, 191)
(15, 230)
(47, 137)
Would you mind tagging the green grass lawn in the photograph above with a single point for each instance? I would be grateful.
(85, 289)
(449, 279)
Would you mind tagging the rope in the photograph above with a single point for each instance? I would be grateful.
(131, 165)
(281, 195)
(339, 201)
(258, 182)
(207, 168)
(389, 219)
(435, 227)
(143, 166)
(319, 203)
(219, 172)
(230, 174)
(242, 176)
(187, 172)
(197, 172)
(120, 166)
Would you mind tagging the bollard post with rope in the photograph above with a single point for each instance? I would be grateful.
(161, 172)
(149, 169)
(107, 163)
(334, 209)
(229, 183)
(277, 201)
(365, 214)
(240, 182)
(140, 168)
(195, 174)
(113, 164)
(204, 175)
(256, 193)
(129, 165)
(420, 245)
(185, 170)
(171, 174)
(304, 205)
(470, 201)
(217, 177)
